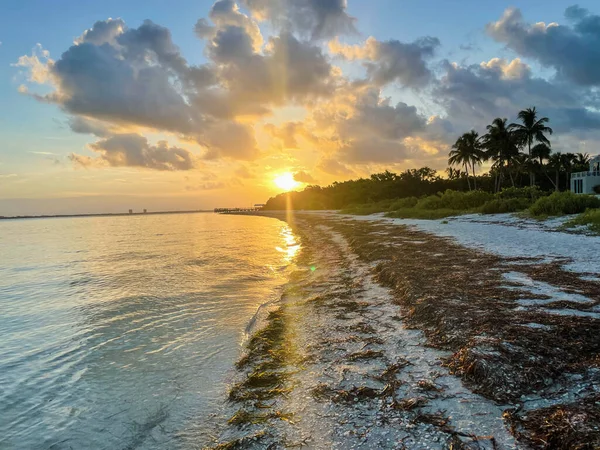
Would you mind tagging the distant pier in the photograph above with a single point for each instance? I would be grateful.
(257, 207)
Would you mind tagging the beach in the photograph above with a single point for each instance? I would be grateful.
(462, 333)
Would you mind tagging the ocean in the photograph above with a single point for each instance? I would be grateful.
(123, 331)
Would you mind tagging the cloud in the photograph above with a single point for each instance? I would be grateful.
(115, 80)
(207, 186)
(244, 172)
(226, 14)
(392, 61)
(38, 66)
(230, 139)
(83, 125)
(362, 126)
(474, 95)
(334, 167)
(287, 133)
(134, 150)
(304, 177)
(316, 19)
(103, 32)
(574, 51)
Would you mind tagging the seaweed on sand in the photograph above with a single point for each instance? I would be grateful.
(408, 404)
(240, 443)
(573, 426)
(455, 295)
(352, 395)
(456, 440)
(269, 360)
(365, 355)
(243, 417)
(458, 298)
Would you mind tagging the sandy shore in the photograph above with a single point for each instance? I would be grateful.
(413, 334)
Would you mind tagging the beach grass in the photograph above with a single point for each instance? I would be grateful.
(589, 219)
(530, 201)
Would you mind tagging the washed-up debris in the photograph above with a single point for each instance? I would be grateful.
(574, 426)
(357, 374)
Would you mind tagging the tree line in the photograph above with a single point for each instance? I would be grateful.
(520, 154)
(516, 149)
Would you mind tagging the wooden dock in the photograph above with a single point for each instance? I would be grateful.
(237, 210)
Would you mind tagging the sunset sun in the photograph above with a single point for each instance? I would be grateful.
(286, 181)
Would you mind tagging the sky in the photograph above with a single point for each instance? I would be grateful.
(112, 105)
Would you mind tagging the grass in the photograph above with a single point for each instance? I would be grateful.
(532, 201)
(427, 214)
(590, 219)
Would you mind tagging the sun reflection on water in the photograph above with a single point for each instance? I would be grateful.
(291, 245)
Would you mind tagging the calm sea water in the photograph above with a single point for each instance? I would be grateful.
(122, 332)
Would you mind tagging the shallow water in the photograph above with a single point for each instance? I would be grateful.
(122, 332)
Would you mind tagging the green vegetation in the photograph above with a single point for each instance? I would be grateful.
(561, 203)
(453, 203)
(523, 169)
(589, 219)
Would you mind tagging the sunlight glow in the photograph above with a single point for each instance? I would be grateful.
(286, 181)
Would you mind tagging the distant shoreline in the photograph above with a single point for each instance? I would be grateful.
(56, 216)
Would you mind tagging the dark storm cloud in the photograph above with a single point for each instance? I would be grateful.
(317, 19)
(574, 51)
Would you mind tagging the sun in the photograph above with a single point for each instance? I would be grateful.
(286, 181)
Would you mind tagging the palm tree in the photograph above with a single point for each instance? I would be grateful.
(502, 147)
(555, 162)
(467, 151)
(531, 130)
(454, 174)
(568, 161)
(540, 152)
(582, 162)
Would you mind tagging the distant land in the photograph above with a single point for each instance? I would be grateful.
(105, 214)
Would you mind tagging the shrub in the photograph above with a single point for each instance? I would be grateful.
(501, 206)
(465, 200)
(367, 208)
(597, 189)
(530, 192)
(430, 202)
(428, 214)
(560, 203)
(408, 202)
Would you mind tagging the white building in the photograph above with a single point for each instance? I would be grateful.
(584, 182)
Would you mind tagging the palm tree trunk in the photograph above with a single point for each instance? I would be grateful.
(474, 176)
(531, 173)
(512, 180)
(550, 179)
(468, 180)
(557, 188)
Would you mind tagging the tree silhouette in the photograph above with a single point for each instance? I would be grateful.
(467, 151)
(531, 130)
(502, 147)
